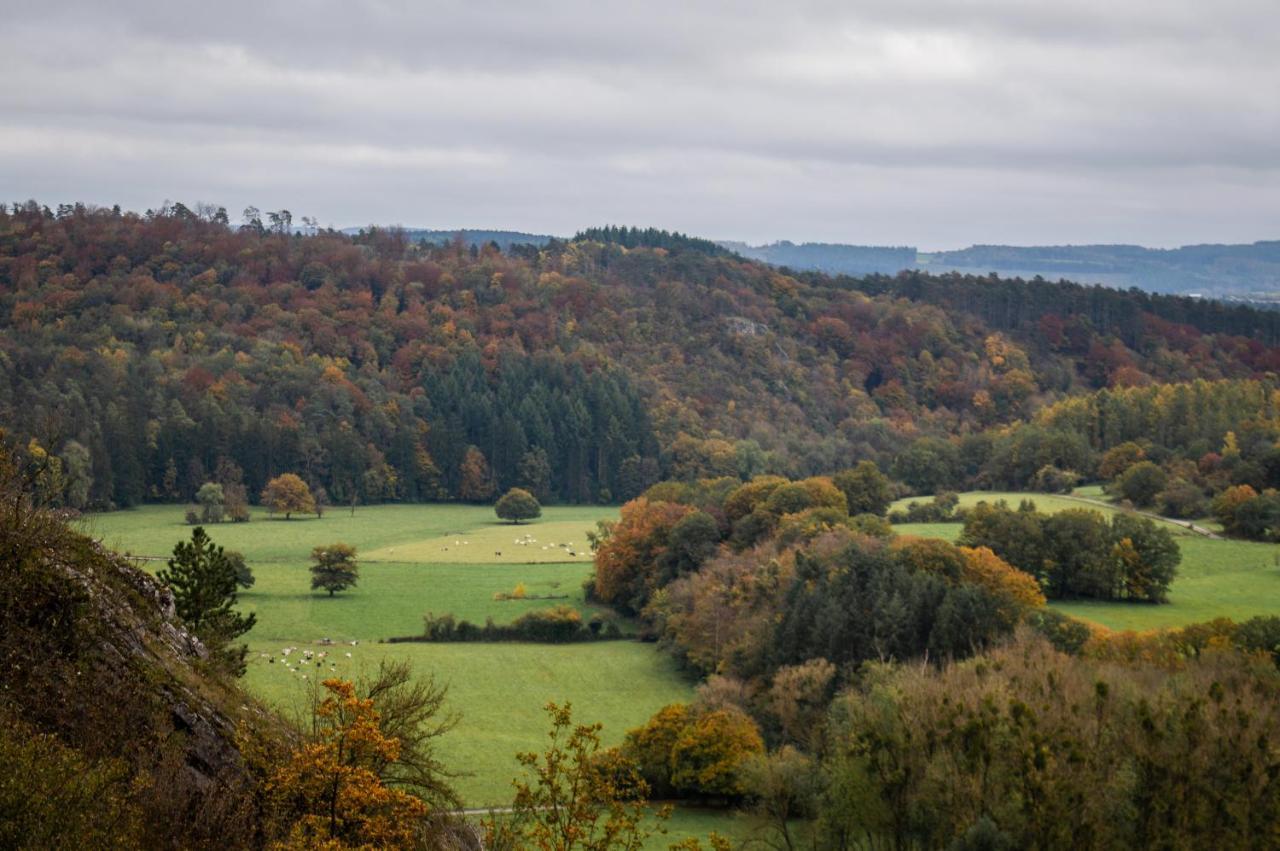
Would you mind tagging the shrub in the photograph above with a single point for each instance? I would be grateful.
(1140, 483)
(555, 625)
(1182, 499)
(517, 504)
(1051, 479)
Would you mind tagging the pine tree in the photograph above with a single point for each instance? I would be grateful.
(203, 581)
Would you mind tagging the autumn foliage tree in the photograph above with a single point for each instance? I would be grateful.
(694, 752)
(329, 790)
(288, 494)
(631, 561)
(476, 478)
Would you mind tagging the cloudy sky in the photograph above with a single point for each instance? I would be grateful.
(935, 123)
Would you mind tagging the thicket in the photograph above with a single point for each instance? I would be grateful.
(1078, 552)
(554, 625)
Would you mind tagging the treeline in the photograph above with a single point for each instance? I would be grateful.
(748, 579)
(1068, 312)
(154, 353)
(633, 237)
(867, 690)
(1190, 450)
(1176, 449)
(1078, 552)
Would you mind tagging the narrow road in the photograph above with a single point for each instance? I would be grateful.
(1182, 524)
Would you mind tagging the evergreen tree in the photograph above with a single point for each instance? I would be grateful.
(203, 581)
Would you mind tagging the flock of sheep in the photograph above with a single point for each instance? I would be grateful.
(305, 658)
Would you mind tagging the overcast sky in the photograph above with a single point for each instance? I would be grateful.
(908, 122)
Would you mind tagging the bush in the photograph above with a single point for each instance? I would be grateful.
(517, 504)
(941, 510)
(1051, 479)
(555, 625)
(1140, 483)
(1064, 632)
(1182, 499)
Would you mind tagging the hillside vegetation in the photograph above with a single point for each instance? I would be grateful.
(153, 353)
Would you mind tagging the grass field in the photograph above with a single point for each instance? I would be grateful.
(1090, 497)
(1217, 578)
(498, 689)
(392, 595)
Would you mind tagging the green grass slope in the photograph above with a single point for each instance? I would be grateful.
(1217, 577)
(498, 689)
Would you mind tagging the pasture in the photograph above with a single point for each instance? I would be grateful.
(394, 591)
(1088, 498)
(1217, 578)
(498, 689)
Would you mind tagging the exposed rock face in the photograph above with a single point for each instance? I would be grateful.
(141, 639)
(91, 651)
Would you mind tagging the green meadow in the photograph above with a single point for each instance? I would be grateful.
(497, 689)
(396, 588)
(1217, 577)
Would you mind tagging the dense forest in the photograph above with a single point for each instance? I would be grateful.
(152, 353)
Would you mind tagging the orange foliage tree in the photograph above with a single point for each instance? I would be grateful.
(331, 786)
(288, 494)
(630, 561)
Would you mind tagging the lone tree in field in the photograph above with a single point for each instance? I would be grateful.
(335, 567)
(517, 504)
(212, 502)
(287, 494)
(203, 581)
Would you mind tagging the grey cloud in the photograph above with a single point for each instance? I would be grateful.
(930, 122)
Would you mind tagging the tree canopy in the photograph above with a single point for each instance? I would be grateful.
(517, 504)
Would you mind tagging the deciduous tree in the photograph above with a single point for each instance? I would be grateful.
(288, 494)
(517, 504)
(334, 567)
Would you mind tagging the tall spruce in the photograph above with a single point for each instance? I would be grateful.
(203, 581)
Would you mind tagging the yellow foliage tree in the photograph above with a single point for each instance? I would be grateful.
(983, 567)
(330, 786)
(574, 796)
(288, 494)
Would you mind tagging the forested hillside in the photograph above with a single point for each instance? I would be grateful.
(155, 352)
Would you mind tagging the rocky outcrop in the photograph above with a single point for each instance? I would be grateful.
(92, 652)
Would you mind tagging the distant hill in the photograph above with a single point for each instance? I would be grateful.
(171, 349)
(1211, 270)
(830, 257)
(1220, 271)
(504, 238)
